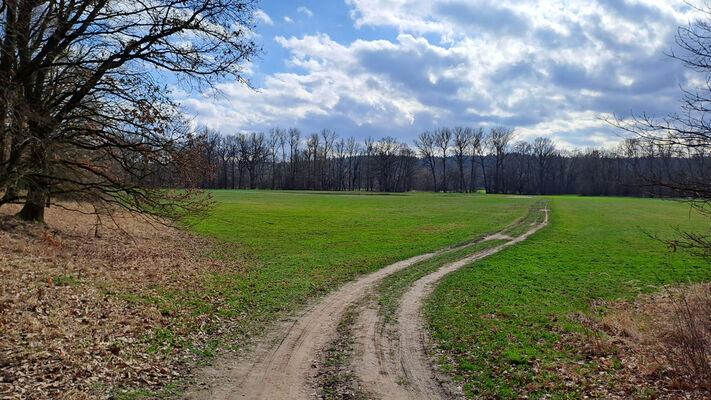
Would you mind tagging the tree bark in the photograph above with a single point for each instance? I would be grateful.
(33, 210)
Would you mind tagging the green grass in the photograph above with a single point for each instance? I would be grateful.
(295, 245)
(392, 287)
(498, 321)
(168, 391)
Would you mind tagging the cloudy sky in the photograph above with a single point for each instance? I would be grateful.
(371, 68)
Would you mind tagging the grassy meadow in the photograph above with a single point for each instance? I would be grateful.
(502, 324)
(297, 245)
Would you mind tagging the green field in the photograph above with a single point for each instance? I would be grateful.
(297, 245)
(498, 321)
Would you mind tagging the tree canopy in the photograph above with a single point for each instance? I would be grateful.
(86, 111)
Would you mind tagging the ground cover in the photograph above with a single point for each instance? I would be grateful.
(504, 325)
(116, 316)
(303, 244)
(337, 380)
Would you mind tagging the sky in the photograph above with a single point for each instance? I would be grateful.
(375, 68)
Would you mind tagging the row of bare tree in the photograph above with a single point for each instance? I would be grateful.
(284, 159)
(460, 159)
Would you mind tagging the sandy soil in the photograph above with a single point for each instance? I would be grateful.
(287, 368)
(399, 368)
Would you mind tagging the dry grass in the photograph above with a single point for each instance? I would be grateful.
(657, 346)
(76, 315)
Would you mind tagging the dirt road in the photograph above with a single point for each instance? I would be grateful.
(388, 367)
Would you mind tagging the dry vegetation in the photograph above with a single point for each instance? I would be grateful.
(82, 315)
(657, 346)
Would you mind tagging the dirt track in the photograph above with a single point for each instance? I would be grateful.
(389, 368)
(402, 369)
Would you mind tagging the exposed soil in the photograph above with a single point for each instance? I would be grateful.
(336, 379)
(399, 368)
(292, 367)
(287, 370)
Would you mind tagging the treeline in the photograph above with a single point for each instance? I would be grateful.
(459, 159)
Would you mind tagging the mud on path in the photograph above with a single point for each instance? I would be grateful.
(388, 369)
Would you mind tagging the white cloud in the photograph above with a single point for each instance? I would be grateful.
(546, 67)
(263, 17)
(305, 11)
(595, 131)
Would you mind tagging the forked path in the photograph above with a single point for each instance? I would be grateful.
(398, 367)
(287, 370)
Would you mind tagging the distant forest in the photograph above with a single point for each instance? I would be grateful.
(446, 160)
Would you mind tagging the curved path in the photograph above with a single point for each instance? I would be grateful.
(287, 370)
(398, 367)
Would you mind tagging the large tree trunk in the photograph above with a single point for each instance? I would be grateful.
(33, 209)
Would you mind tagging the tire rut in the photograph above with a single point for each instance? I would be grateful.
(398, 367)
(389, 369)
(287, 370)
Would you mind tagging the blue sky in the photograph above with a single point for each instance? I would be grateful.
(371, 68)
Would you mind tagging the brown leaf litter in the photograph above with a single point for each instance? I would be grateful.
(81, 315)
(634, 350)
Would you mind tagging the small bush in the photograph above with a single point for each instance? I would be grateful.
(689, 338)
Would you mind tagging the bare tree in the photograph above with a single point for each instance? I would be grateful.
(233, 153)
(328, 137)
(462, 139)
(475, 151)
(313, 146)
(543, 149)
(82, 114)
(499, 140)
(294, 141)
(210, 140)
(340, 165)
(282, 169)
(369, 150)
(273, 145)
(442, 136)
(253, 151)
(522, 153)
(222, 158)
(529, 168)
(425, 143)
(687, 134)
(353, 162)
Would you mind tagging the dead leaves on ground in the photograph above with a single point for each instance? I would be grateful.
(81, 315)
(627, 352)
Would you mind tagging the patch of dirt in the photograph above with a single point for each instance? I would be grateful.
(336, 379)
(634, 351)
(288, 370)
(293, 367)
(401, 368)
(80, 315)
(499, 236)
